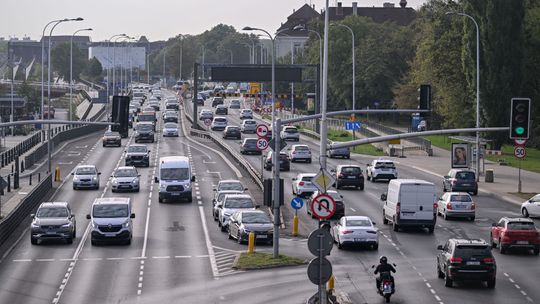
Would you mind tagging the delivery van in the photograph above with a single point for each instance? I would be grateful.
(175, 179)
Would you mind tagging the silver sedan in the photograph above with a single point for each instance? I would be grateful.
(125, 179)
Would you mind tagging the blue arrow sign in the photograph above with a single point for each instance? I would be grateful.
(297, 203)
(353, 125)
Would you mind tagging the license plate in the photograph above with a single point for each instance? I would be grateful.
(351, 177)
(522, 242)
(473, 263)
(460, 206)
(359, 240)
(262, 236)
(406, 214)
(465, 185)
(175, 193)
(110, 234)
(50, 232)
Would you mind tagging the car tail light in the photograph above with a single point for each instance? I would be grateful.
(454, 182)
(340, 175)
(435, 206)
(449, 206)
(301, 183)
(346, 231)
(454, 260)
(488, 260)
(473, 206)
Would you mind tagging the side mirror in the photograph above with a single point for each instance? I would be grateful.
(493, 224)
(440, 247)
(132, 215)
(245, 189)
(32, 215)
(193, 178)
(440, 198)
(99, 173)
(446, 176)
(294, 178)
(156, 179)
(88, 216)
(138, 175)
(383, 197)
(372, 266)
(374, 223)
(333, 170)
(214, 189)
(149, 150)
(72, 173)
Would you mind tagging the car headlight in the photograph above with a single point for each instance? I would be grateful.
(34, 225)
(94, 224)
(75, 178)
(126, 224)
(114, 182)
(94, 178)
(66, 225)
(151, 133)
(162, 187)
(135, 181)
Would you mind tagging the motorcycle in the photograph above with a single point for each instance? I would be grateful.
(386, 286)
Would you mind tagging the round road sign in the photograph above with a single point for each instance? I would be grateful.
(262, 143)
(520, 142)
(207, 122)
(317, 274)
(323, 206)
(520, 152)
(320, 241)
(262, 130)
(297, 203)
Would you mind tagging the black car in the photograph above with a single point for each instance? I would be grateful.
(460, 180)
(138, 156)
(171, 105)
(217, 101)
(284, 162)
(349, 176)
(232, 132)
(466, 260)
(112, 139)
(221, 110)
(170, 117)
(249, 146)
(144, 131)
(53, 221)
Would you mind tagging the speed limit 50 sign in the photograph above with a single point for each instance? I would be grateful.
(520, 152)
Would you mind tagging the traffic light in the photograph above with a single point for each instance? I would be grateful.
(425, 97)
(520, 116)
(120, 115)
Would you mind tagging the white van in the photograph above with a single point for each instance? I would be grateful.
(175, 178)
(410, 202)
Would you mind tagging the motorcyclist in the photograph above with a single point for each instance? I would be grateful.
(384, 267)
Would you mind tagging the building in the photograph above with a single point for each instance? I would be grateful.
(126, 55)
(29, 50)
(292, 40)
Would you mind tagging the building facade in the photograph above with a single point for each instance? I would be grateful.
(126, 56)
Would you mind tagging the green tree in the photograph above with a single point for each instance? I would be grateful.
(94, 69)
(60, 58)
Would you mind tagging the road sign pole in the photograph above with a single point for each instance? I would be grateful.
(322, 293)
(275, 162)
(519, 176)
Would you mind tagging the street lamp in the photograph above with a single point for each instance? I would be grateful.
(181, 56)
(477, 156)
(114, 61)
(71, 72)
(109, 59)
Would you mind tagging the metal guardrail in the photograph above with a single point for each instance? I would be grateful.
(8, 156)
(24, 209)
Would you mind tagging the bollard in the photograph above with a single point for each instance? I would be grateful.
(295, 226)
(22, 165)
(30, 180)
(57, 174)
(9, 183)
(39, 177)
(331, 283)
(251, 242)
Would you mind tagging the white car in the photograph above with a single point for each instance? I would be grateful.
(531, 207)
(232, 203)
(300, 153)
(456, 204)
(206, 114)
(248, 126)
(85, 176)
(217, 201)
(125, 179)
(219, 123)
(246, 114)
(302, 185)
(381, 169)
(170, 129)
(290, 133)
(355, 230)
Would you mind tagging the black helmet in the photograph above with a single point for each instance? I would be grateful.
(383, 260)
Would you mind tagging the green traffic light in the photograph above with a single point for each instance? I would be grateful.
(520, 130)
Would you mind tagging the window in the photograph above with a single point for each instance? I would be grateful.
(465, 175)
(520, 226)
(238, 202)
(110, 210)
(255, 218)
(351, 170)
(231, 186)
(125, 173)
(52, 212)
(359, 223)
(137, 149)
(174, 173)
(85, 171)
(460, 198)
(469, 251)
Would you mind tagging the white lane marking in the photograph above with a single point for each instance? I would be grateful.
(209, 247)
(353, 210)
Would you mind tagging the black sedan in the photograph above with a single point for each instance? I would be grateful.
(232, 132)
(242, 223)
(249, 146)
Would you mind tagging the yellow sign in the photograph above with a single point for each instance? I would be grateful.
(254, 87)
(394, 142)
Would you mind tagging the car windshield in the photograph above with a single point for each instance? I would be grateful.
(465, 175)
(335, 195)
(308, 178)
(137, 149)
(250, 122)
(460, 198)
(144, 127)
(520, 226)
(231, 186)
(174, 173)
(233, 129)
(358, 223)
(238, 202)
(146, 117)
(351, 170)
(255, 218)
(472, 251)
(170, 126)
(291, 130)
(52, 212)
(110, 210)
(386, 165)
(128, 172)
(301, 148)
(220, 120)
(85, 171)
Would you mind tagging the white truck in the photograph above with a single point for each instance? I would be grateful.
(381, 169)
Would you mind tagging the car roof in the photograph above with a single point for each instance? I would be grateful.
(348, 165)
(86, 166)
(111, 200)
(251, 211)
(145, 123)
(125, 167)
(307, 174)
(136, 145)
(53, 204)
(294, 146)
(229, 181)
(230, 192)
(411, 181)
(357, 217)
(471, 242)
(518, 219)
(239, 195)
(458, 193)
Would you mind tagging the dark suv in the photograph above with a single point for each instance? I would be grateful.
(460, 180)
(53, 221)
(466, 260)
(138, 156)
(144, 131)
(349, 176)
(221, 110)
(217, 101)
(284, 162)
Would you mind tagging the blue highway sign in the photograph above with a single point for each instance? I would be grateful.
(353, 125)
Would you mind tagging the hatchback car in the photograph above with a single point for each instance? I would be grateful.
(111, 220)
(302, 185)
(284, 162)
(230, 184)
(456, 204)
(144, 131)
(232, 203)
(170, 117)
(249, 146)
(531, 207)
(170, 129)
(234, 104)
(218, 123)
(242, 223)
(248, 126)
(355, 230)
(466, 260)
(460, 180)
(125, 179)
(217, 101)
(53, 221)
(221, 110)
(300, 153)
(349, 176)
(246, 114)
(111, 138)
(85, 176)
(338, 198)
(138, 156)
(232, 132)
(515, 233)
(217, 201)
(206, 114)
(290, 133)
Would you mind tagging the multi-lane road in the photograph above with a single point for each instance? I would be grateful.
(178, 255)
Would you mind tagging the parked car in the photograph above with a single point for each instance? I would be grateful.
(381, 169)
(217, 201)
(249, 146)
(111, 138)
(138, 156)
(232, 132)
(234, 104)
(284, 162)
(219, 123)
(466, 260)
(246, 114)
(300, 153)
(302, 185)
(111, 219)
(290, 133)
(248, 126)
(232, 203)
(53, 221)
(355, 231)
(206, 114)
(515, 233)
(531, 207)
(460, 180)
(456, 204)
(216, 101)
(170, 129)
(85, 176)
(340, 152)
(338, 198)
(125, 179)
(221, 110)
(144, 131)
(243, 222)
(349, 176)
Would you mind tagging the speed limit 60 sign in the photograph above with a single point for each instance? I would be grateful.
(520, 152)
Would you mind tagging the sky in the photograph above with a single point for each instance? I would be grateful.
(156, 19)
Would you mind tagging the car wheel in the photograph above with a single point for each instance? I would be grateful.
(113, 191)
(128, 242)
(525, 212)
(94, 243)
(339, 245)
(440, 274)
(375, 247)
(536, 251)
(74, 233)
(395, 226)
(493, 244)
(69, 240)
(309, 161)
(491, 283)
(444, 188)
(33, 241)
(230, 235)
(431, 229)
(368, 178)
(223, 228)
(502, 248)
(472, 218)
(447, 281)
(238, 238)
(445, 216)
(337, 185)
(384, 219)
(160, 200)
(475, 193)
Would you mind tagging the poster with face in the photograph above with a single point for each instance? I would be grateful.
(460, 155)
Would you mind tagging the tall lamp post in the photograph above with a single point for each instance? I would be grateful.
(114, 62)
(203, 53)
(477, 156)
(109, 59)
(353, 72)
(71, 72)
(181, 55)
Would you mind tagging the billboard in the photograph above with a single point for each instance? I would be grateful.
(460, 155)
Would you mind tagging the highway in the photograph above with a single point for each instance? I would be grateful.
(178, 254)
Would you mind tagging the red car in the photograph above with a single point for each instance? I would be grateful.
(515, 233)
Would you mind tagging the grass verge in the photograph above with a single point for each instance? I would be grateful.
(523, 195)
(361, 149)
(441, 141)
(261, 260)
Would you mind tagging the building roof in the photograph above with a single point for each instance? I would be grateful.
(303, 15)
(398, 15)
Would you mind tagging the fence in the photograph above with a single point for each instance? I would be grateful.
(8, 156)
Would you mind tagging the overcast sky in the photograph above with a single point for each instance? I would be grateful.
(156, 19)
